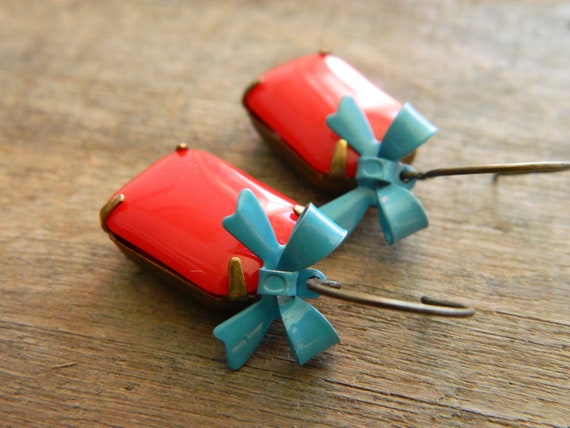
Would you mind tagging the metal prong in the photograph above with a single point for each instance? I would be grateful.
(108, 208)
(497, 169)
(428, 306)
(180, 147)
(298, 209)
(338, 162)
(236, 279)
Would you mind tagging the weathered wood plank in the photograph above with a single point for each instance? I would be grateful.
(93, 92)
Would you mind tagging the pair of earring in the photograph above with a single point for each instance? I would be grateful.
(181, 216)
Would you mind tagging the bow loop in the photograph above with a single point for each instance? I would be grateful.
(250, 225)
(353, 126)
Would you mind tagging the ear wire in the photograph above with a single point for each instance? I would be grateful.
(428, 306)
(496, 169)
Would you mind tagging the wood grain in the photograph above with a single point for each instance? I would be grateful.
(95, 91)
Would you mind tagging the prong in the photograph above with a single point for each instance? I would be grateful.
(298, 209)
(338, 162)
(236, 279)
(108, 208)
(181, 147)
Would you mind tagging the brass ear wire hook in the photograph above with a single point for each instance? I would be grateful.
(497, 169)
(428, 306)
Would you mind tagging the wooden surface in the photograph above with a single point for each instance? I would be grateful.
(92, 92)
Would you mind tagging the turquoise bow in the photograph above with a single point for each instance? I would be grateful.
(282, 282)
(379, 170)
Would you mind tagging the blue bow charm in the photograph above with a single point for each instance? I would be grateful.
(378, 171)
(282, 282)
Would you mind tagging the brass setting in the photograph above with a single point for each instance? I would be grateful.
(218, 303)
(338, 161)
(236, 299)
(324, 51)
(108, 208)
(236, 279)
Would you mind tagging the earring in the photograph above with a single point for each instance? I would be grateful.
(347, 135)
(216, 233)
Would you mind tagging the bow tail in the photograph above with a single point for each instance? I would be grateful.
(243, 332)
(348, 209)
(401, 213)
(308, 331)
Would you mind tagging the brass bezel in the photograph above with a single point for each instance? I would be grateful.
(237, 297)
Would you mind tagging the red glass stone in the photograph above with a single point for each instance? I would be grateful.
(291, 102)
(172, 213)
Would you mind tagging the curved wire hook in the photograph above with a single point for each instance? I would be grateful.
(428, 306)
(497, 169)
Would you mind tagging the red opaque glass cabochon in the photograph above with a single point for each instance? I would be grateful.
(294, 99)
(173, 212)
